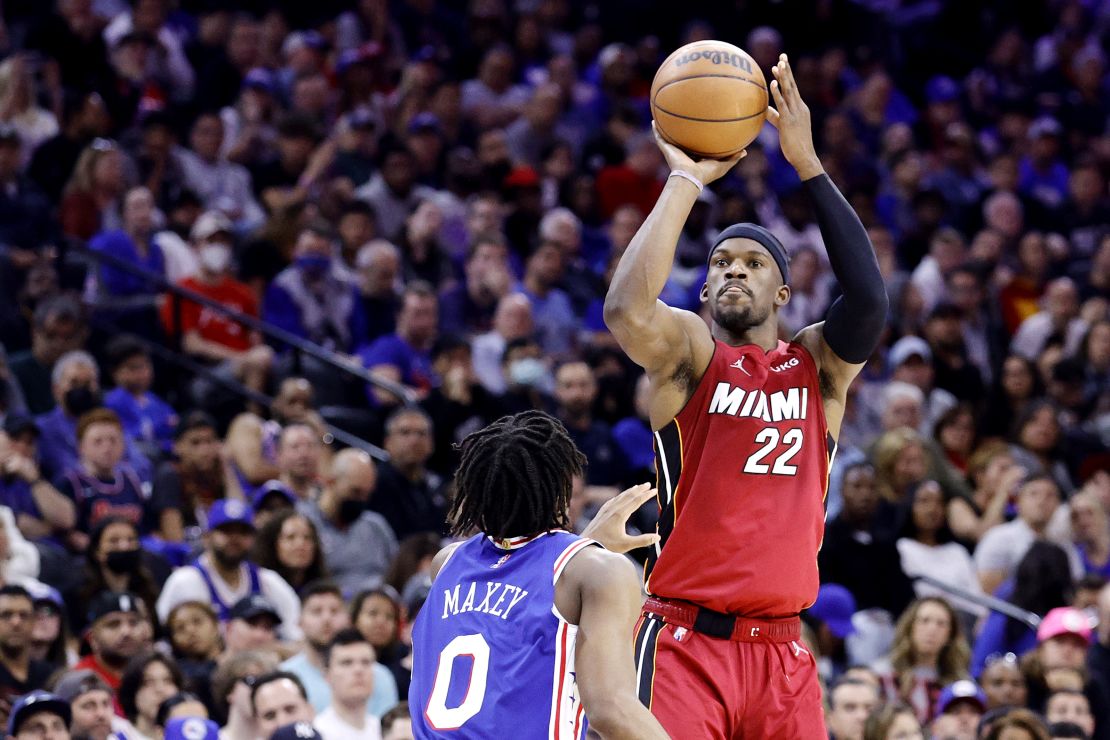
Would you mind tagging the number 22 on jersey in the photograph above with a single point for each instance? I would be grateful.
(787, 446)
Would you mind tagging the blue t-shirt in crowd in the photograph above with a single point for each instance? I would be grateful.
(149, 419)
(555, 321)
(415, 365)
(58, 447)
(15, 493)
(992, 639)
(634, 437)
(117, 282)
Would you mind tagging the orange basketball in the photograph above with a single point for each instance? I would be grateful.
(709, 98)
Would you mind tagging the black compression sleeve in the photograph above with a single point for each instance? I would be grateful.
(855, 320)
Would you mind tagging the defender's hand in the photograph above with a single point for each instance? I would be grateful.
(706, 170)
(608, 527)
(792, 120)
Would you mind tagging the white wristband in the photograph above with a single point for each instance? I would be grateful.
(687, 176)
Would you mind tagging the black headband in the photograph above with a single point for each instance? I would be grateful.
(759, 234)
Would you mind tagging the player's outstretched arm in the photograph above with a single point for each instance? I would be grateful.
(609, 525)
(609, 598)
(655, 336)
(854, 323)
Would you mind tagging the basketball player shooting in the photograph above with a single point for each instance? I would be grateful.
(745, 427)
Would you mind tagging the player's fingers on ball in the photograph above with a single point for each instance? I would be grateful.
(658, 136)
(786, 78)
(779, 97)
(772, 118)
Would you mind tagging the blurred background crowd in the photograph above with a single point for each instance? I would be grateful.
(263, 262)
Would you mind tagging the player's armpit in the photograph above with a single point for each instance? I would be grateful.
(833, 374)
(610, 602)
(836, 374)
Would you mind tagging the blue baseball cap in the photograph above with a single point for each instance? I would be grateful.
(963, 690)
(425, 122)
(191, 728)
(31, 704)
(942, 89)
(268, 489)
(260, 78)
(229, 511)
(835, 606)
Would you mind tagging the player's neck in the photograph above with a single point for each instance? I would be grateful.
(765, 335)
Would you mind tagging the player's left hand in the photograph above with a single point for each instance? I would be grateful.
(608, 526)
(791, 117)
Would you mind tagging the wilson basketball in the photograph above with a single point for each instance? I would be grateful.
(709, 98)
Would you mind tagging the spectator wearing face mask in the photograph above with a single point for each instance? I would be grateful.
(76, 385)
(210, 336)
(114, 563)
(511, 321)
(313, 298)
(358, 543)
(528, 378)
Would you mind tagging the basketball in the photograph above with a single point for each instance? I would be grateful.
(709, 98)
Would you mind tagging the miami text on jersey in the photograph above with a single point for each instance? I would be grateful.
(784, 405)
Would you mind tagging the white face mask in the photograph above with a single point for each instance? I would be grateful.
(528, 371)
(215, 257)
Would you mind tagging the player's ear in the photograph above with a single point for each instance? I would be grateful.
(704, 295)
(782, 297)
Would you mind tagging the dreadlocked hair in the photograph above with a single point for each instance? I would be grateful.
(514, 477)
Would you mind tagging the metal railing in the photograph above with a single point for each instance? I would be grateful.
(300, 347)
(1028, 618)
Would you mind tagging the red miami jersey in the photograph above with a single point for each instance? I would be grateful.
(742, 474)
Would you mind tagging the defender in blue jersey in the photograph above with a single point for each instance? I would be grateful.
(527, 629)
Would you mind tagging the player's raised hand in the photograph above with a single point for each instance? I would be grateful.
(791, 117)
(706, 170)
(608, 526)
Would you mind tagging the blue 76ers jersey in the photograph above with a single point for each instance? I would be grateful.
(492, 657)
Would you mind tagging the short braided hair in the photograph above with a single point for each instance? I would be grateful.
(515, 477)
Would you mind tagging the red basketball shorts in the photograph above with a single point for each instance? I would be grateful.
(700, 687)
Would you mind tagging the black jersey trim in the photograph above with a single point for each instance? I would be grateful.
(668, 472)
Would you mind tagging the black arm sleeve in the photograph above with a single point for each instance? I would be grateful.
(855, 320)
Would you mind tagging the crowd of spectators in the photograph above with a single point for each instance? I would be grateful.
(437, 192)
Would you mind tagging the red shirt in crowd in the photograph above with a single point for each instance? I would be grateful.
(621, 185)
(90, 663)
(212, 325)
